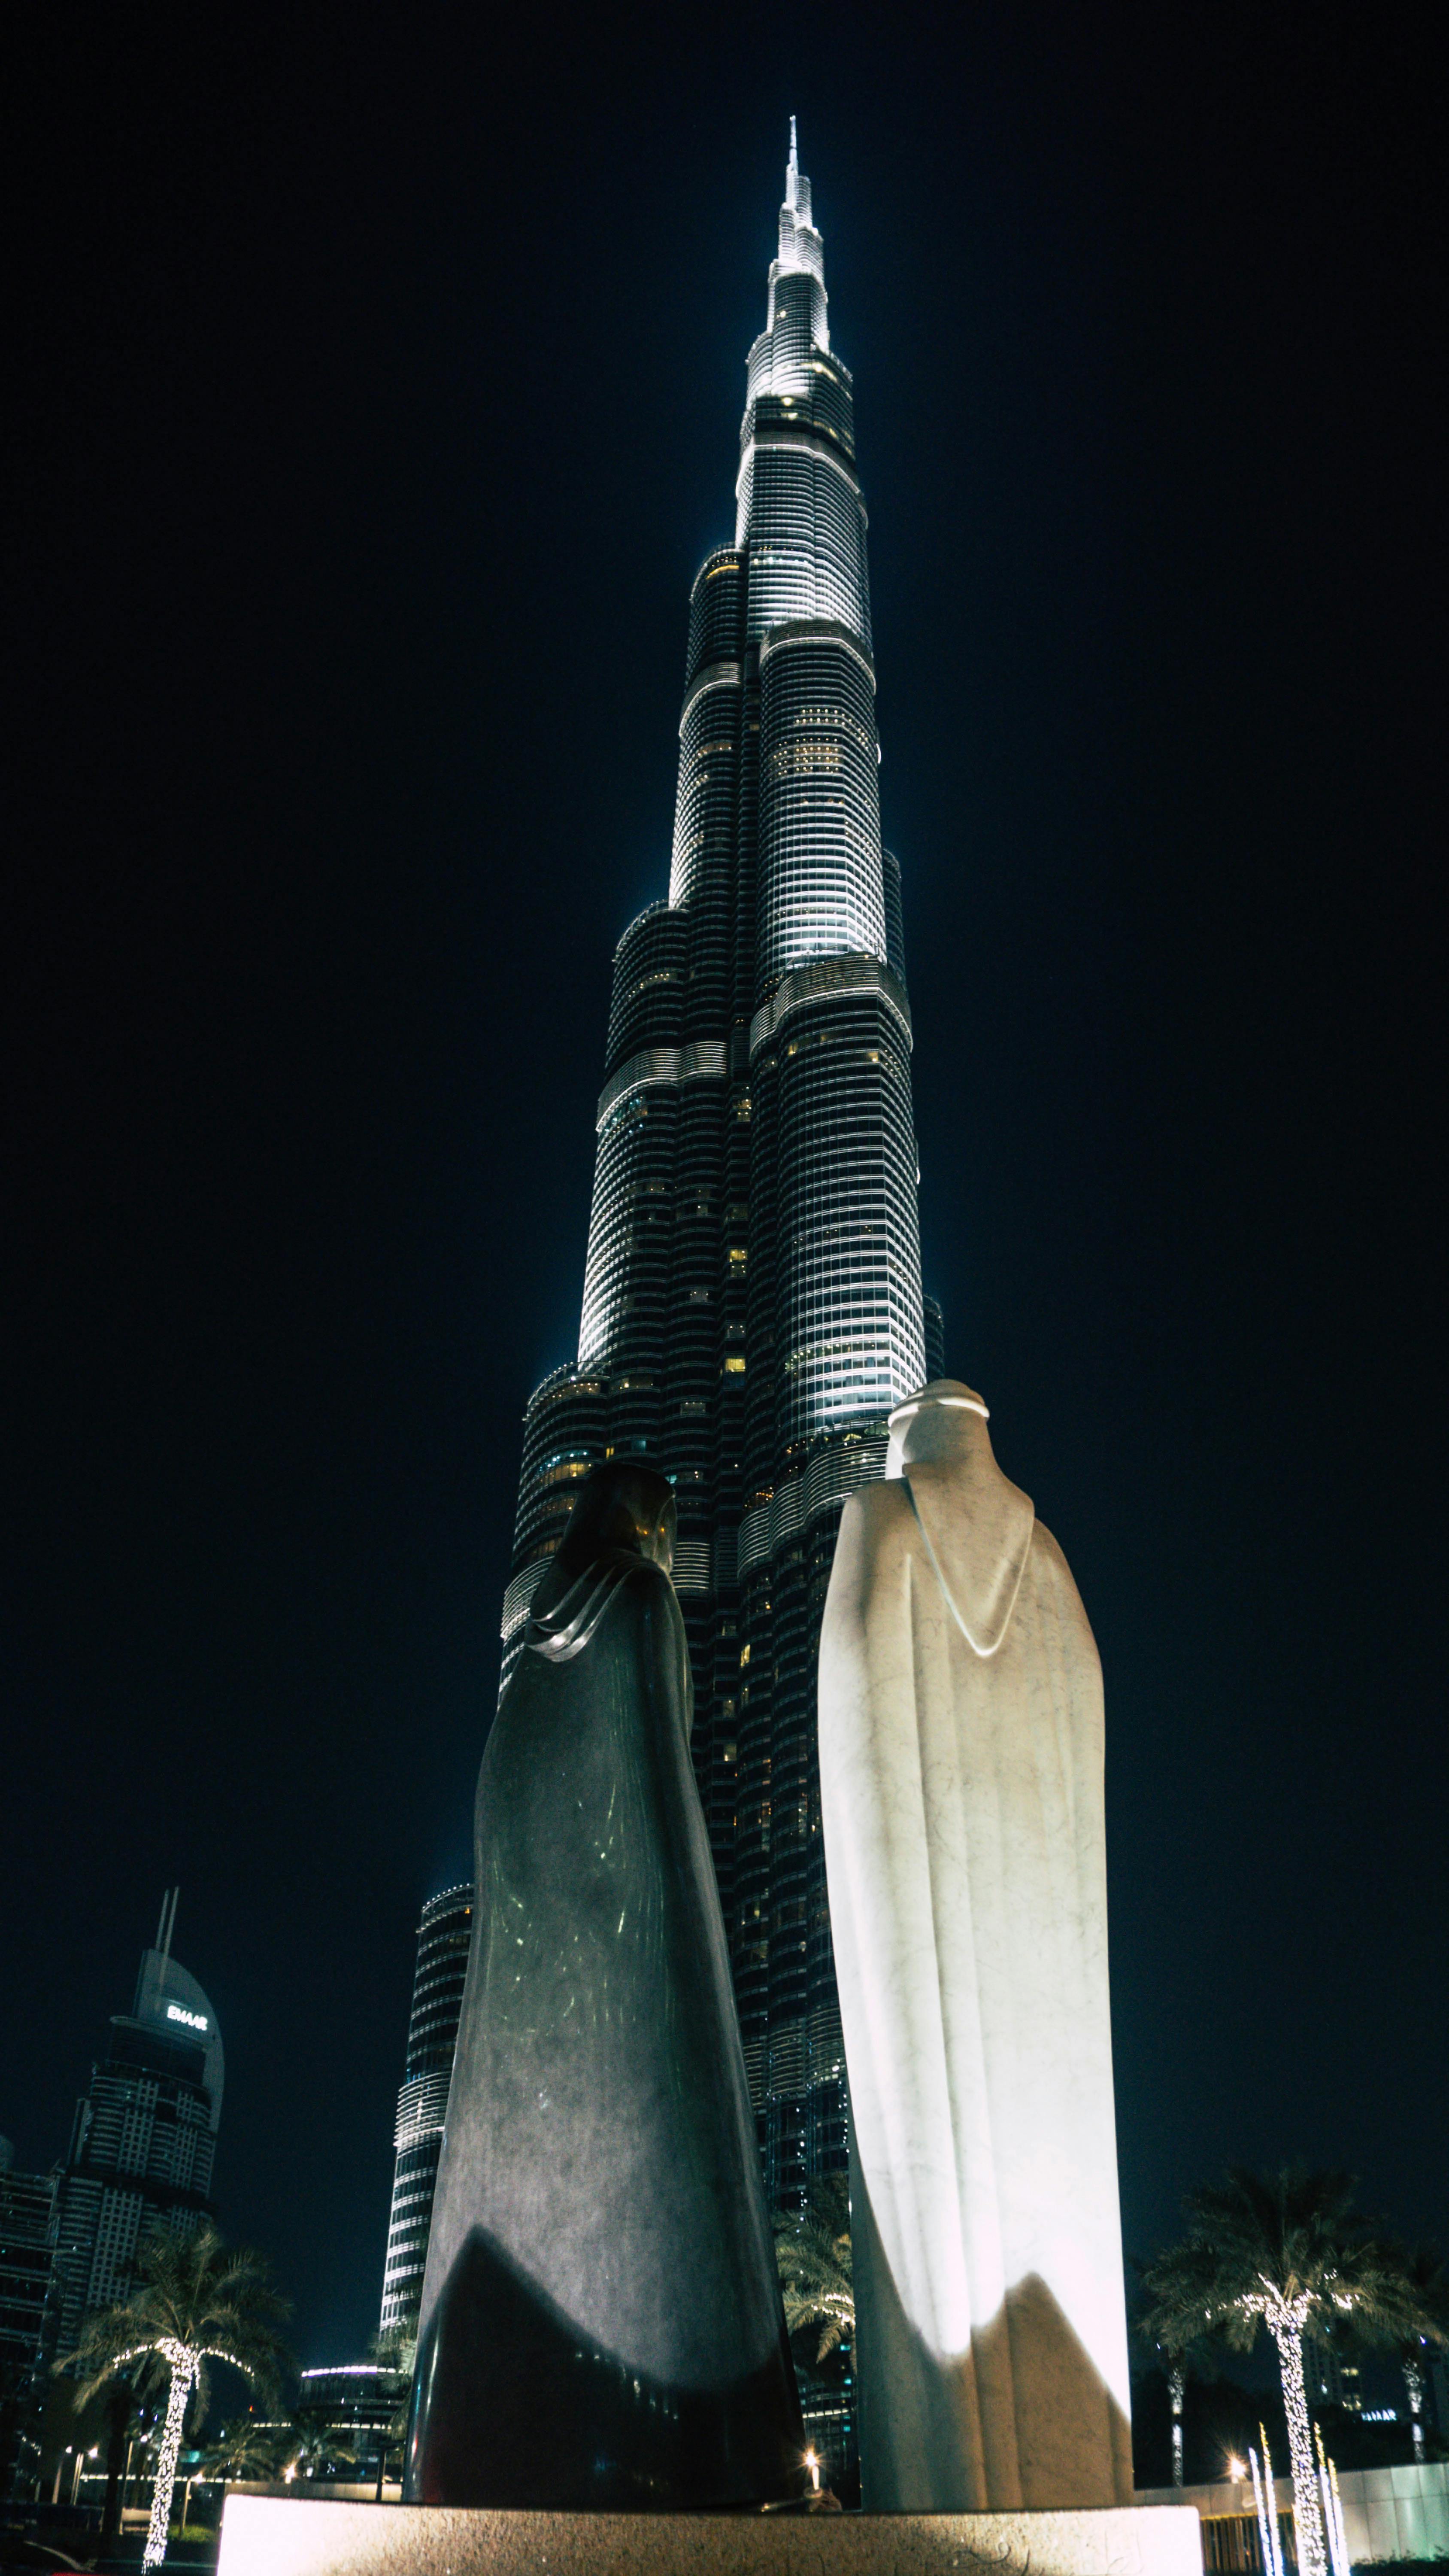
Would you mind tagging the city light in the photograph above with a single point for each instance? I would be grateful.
(1332, 2508)
(1285, 2319)
(1265, 2499)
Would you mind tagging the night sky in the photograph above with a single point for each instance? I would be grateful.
(375, 385)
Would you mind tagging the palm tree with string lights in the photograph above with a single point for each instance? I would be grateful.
(195, 2301)
(1175, 2361)
(1430, 2280)
(1291, 2254)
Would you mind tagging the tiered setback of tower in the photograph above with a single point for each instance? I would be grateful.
(752, 1294)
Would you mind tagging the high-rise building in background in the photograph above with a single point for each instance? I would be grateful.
(443, 1937)
(347, 2413)
(28, 2317)
(752, 1302)
(144, 2139)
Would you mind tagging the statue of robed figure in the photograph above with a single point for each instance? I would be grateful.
(961, 1748)
(601, 2321)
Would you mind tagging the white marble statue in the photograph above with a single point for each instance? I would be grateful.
(961, 1789)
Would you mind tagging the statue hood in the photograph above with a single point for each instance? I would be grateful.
(622, 1525)
(562, 1632)
(976, 1524)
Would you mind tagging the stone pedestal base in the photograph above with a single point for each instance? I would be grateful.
(266, 2536)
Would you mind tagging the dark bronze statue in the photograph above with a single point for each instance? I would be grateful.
(601, 2321)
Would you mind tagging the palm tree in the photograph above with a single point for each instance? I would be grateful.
(1289, 2254)
(395, 2348)
(1430, 2282)
(392, 2436)
(812, 2249)
(124, 2422)
(319, 2451)
(1180, 2355)
(247, 2450)
(193, 2302)
(1175, 2366)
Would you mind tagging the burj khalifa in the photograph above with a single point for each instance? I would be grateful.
(752, 1303)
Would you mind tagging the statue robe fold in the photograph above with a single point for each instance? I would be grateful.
(961, 1761)
(601, 2321)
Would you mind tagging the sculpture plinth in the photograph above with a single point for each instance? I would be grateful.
(263, 2537)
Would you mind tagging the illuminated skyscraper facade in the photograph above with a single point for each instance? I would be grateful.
(144, 2139)
(28, 2317)
(752, 1301)
(444, 1935)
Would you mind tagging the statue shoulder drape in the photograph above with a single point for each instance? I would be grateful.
(1055, 1591)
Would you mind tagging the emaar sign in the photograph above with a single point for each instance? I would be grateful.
(193, 2021)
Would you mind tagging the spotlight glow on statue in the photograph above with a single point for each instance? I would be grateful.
(961, 1741)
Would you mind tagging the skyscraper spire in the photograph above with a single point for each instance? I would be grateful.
(167, 1925)
(752, 1287)
(800, 247)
